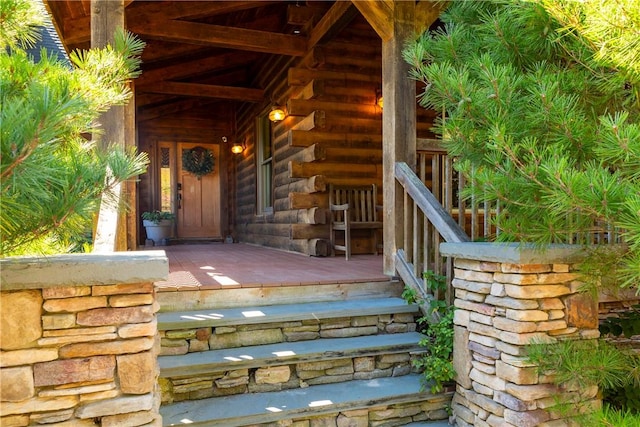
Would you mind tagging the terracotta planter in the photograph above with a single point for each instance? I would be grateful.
(159, 232)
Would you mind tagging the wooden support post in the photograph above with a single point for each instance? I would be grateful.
(130, 218)
(111, 234)
(398, 126)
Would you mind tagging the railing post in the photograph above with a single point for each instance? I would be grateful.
(398, 127)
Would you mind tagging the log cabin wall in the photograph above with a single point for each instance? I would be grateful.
(203, 123)
(332, 135)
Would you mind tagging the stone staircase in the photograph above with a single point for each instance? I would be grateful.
(327, 355)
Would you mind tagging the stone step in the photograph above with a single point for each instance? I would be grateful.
(387, 401)
(203, 299)
(204, 330)
(179, 320)
(284, 366)
(200, 363)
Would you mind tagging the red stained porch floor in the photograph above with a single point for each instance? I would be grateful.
(238, 265)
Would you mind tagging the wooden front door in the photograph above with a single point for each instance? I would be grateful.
(198, 207)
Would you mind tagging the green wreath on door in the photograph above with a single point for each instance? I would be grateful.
(198, 161)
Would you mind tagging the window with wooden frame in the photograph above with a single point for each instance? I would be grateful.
(264, 166)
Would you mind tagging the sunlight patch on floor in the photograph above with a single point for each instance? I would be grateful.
(223, 280)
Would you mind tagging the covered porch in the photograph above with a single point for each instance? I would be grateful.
(216, 266)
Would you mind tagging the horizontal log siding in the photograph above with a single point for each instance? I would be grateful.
(332, 135)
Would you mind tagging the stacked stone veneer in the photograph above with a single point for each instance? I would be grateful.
(294, 375)
(202, 339)
(505, 298)
(79, 340)
(432, 408)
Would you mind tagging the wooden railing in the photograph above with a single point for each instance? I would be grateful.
(434, 212)
(426, 224)
(435, 169)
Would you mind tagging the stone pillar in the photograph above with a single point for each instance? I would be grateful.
(507, 296)
(79, 339)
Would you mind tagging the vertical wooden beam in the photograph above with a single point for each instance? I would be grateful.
(398, 126)
(131, 217)
(106, 17)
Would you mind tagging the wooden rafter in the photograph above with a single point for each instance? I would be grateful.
(208, 91)
(336, 18)
(220, 36)
(76, 29)
(173, 108)
(191, 10)
(379, 14)
(427, 12)
(189, 68)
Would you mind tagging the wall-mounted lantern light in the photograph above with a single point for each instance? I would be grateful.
(277, 114)
(237, 148)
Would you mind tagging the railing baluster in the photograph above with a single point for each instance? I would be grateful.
(425, 221)
(407, 236)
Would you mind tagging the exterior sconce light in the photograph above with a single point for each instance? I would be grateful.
(277, 114)
(237, 148)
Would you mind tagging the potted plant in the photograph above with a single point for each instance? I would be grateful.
(158, 225)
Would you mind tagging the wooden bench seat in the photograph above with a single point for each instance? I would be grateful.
(353, 208)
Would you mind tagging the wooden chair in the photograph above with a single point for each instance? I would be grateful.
(353, 208)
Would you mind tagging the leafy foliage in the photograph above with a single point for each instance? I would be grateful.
(157, 216)
(436, 365)
(52, 176)
(610, 417)
(587, 363)
(198, 161)
(540, 103)
(19, 20)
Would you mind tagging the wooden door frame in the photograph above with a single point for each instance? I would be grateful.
(221, 164)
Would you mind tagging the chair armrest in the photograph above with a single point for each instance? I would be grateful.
(344, 207)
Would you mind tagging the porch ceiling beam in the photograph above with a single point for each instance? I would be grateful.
(191, 10)
(379, 14)
(208, 91)
(334, 21)
(220, 36)
(190, 68)
(427, 12)
(146, 99)
(77, 30)
(150, 113)
(300, 15)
